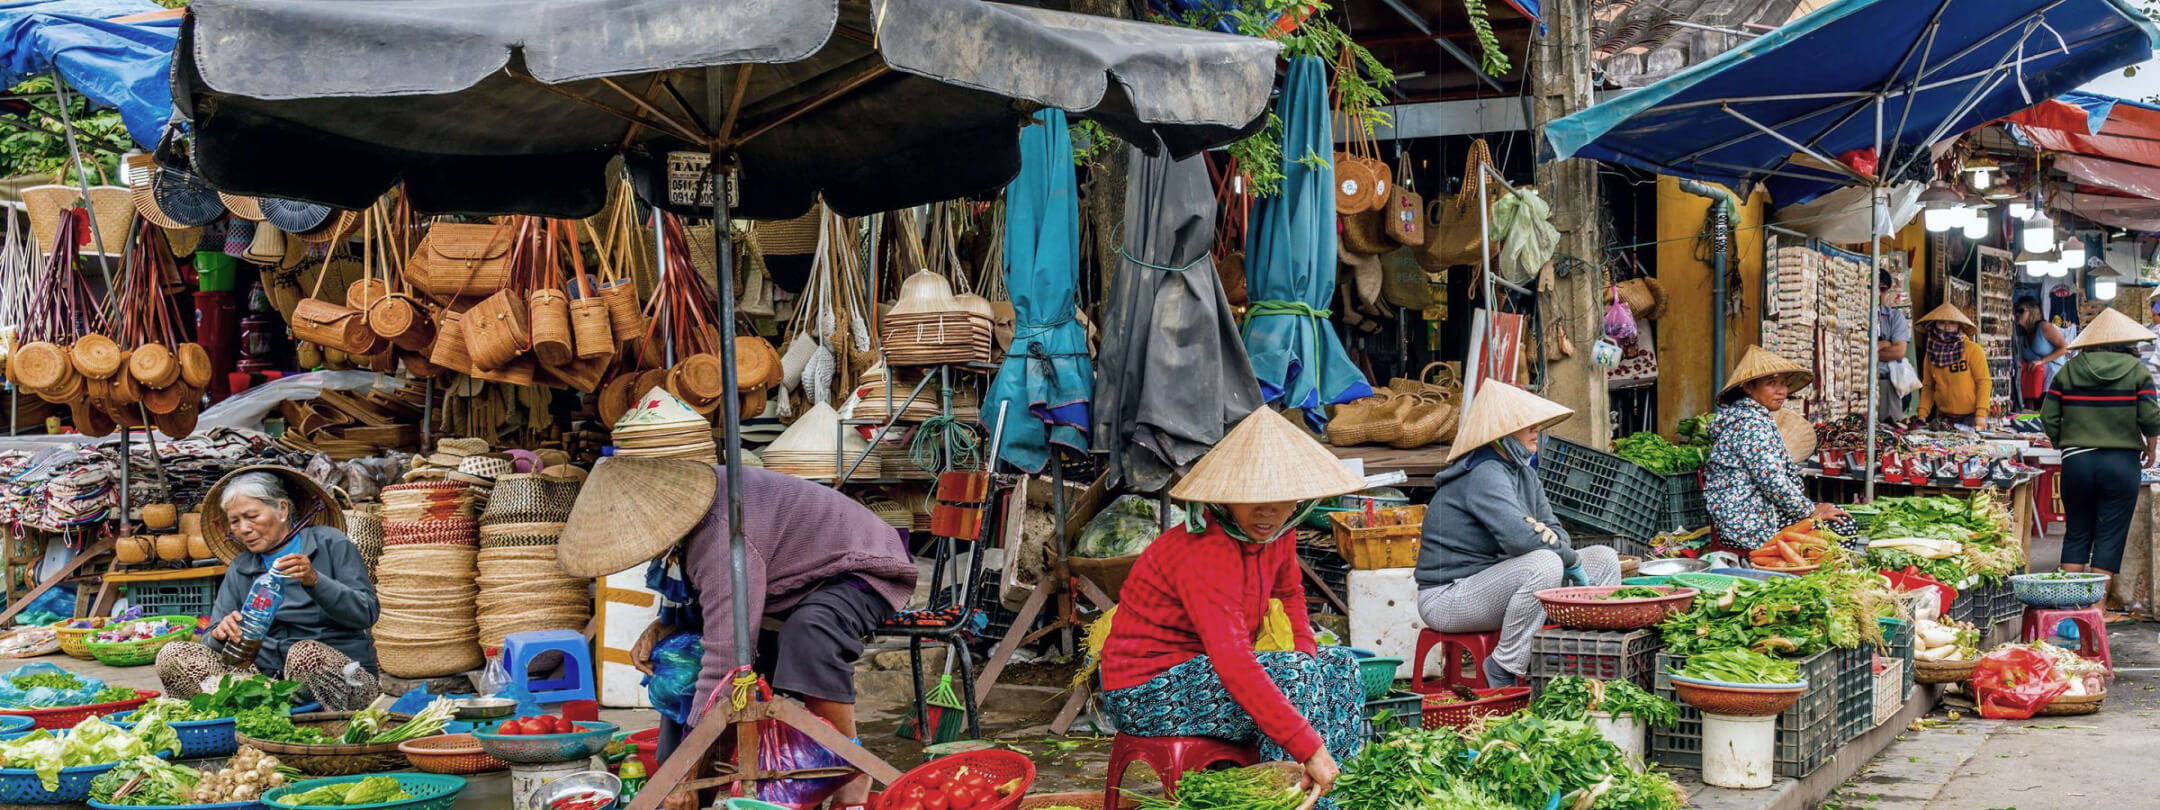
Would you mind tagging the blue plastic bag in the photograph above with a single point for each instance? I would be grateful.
(672, 686)
(45, 696)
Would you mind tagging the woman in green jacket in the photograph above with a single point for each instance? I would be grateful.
(2103, 413)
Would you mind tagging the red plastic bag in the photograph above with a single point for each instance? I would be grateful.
(1860, 160)
(1911, 579)
(2014, 683)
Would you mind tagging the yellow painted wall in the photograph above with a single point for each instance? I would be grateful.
(1684, 335)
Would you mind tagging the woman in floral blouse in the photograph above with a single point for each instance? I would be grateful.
(1750, 483)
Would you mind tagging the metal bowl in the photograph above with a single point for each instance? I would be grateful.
(1671, 566)
(572, 786)
(484, 708)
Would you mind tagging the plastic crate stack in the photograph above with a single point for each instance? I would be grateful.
(1894, 673)
(1856, 691)
(1399, 710)
(1807, 733)
(1598, 654)
(193, 597)
(1600, 490)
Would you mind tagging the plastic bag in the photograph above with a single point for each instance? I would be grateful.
(672, 686)
(782, 748)
(1124, 528)
(46, 696)
(1911, 579)
(2015, 682)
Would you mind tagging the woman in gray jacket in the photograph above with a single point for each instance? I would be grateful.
(1491, 541)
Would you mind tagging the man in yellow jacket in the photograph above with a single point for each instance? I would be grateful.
(1955, 384)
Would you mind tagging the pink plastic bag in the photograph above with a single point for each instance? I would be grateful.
(2014, 683)
(1911, 579)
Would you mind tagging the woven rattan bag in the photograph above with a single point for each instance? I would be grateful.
(461, 260)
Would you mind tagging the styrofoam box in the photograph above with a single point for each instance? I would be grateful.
(1384, 614)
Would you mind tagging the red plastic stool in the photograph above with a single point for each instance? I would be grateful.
(1171, 757)
(1454, 647)
(2091, 623)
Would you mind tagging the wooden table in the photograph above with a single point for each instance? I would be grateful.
(1420, 464)
(1847, 489)
(115, 576)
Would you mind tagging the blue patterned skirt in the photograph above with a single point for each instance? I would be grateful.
(1189, 700)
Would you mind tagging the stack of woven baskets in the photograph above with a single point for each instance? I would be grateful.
(522, 587)
(426, 581)
(1408, 414)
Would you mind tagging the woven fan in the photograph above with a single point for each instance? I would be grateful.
(293, 216)
(184, 198)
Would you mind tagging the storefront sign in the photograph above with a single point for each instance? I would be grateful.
(689, 183)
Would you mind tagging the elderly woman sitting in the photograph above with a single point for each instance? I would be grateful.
(1750, 482)
(319, 636)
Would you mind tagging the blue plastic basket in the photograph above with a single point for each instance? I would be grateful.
(1748, 573)
(15, 725)
(199, 739)
(430, 791)
(21, 785)
(2049, 591)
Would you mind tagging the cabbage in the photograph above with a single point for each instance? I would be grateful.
(92, 742)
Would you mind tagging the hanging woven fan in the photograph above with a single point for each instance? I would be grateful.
(294, 216)
(179, 199)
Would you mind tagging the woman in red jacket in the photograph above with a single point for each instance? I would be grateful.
(1180, 659)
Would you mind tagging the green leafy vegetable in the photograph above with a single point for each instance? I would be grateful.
(1637, 592)
(1657, 455)
(275, 724)
(1233, 789)
(57, 681)
(430, 720)
(238, 694)
(1790, 616)
(1519, 761)
(1572, 697)
(145, 781)
(1740, 666)
(91, 742)
(113, 694)
(372, 790)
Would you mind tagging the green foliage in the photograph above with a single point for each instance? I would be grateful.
(1490, 56)
(1360, 88)
(1089, 142)
(236, 695)
(1573, 697)
(46, 153)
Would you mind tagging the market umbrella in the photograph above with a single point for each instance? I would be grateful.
(1174, 372)
(516, 106)
(1047, 373)
(1290, 261)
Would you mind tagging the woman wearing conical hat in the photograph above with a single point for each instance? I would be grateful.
(1955, 385)
(2102, 412)
(1180, 660)
(1490, 540)
(1751, 483)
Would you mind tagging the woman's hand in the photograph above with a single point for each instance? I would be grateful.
(1824, 511)
(641, 652)
(228, 628)
(1321, 770)
(299, 567)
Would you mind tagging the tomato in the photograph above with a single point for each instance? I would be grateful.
(510, 726)
(936, 801)
(911, 805)
(914, 794)
(564, 726)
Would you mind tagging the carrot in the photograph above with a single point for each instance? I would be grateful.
(1790, 555)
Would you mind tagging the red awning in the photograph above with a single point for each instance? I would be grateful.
(2131, 134)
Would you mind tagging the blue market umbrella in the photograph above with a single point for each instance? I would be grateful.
(1047, 372)
(1290, 262)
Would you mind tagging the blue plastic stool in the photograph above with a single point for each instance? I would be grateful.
(519, 650)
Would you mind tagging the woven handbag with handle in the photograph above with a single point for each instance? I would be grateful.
(331, 325)
(395, 315)
(1454, 236)
(461, 260)
(1405, 210)
(547, 306)
(496, 332)
(591, 327)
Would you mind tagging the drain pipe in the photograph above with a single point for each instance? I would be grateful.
(1724, 207)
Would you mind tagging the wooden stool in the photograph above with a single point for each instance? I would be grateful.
(1171, 757)
(2091, 623)
(1454, 648)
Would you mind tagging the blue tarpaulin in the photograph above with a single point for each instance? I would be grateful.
(1940, 67)
(123, 65)
(1290, 262)
(1047, 377)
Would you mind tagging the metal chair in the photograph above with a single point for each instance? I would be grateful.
(950, 612)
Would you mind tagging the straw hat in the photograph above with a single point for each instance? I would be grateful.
(659, 408)
(1797, 432)
(1949, 312)
(2111, 327)
(1265, 459)
(1500, 410)
(1759, 363)
(923, 292)
(303, 490)
(631, 510)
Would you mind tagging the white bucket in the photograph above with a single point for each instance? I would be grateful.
(1628, 733)
(524, 779)
(1738, 752)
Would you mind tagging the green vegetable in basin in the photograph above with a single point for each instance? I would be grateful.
(1573, 697)
(372, 790)
(92, 742)
(1657, 455)
(1636, 592)
(1740, 666)
(51, 680)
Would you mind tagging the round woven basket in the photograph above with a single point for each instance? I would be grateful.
(1737, 700)
(95, 356)
(1944, 671)
(455, 754)
(530, 498)
(1586, 608)
(2067, 706)
(428, 627)
(332, 760)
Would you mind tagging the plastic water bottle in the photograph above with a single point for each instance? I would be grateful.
(494, 677)
(261, 605)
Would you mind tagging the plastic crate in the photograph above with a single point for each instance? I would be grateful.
(184, 598)
(1331, 569)
(1600, 654)
(2007, 608)
(1889, 698)
(1404, 710)
(1798, 751)
(1819, 704)
(1600, 490)
(1900, 636)
(1973, 607)
(1625, 545)
(1684, 504)
(1856, 691)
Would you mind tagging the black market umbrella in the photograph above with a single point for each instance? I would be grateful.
(516, 106)
(1174, 374)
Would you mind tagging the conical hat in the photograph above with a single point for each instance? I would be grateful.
(815, 432)
(631, 510)
(925, 292)
(2111, 327)
(657, 409)
(1949, 312)
(1759, 363)
(1797, 432)
(1499, 411)
(1265, 459)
